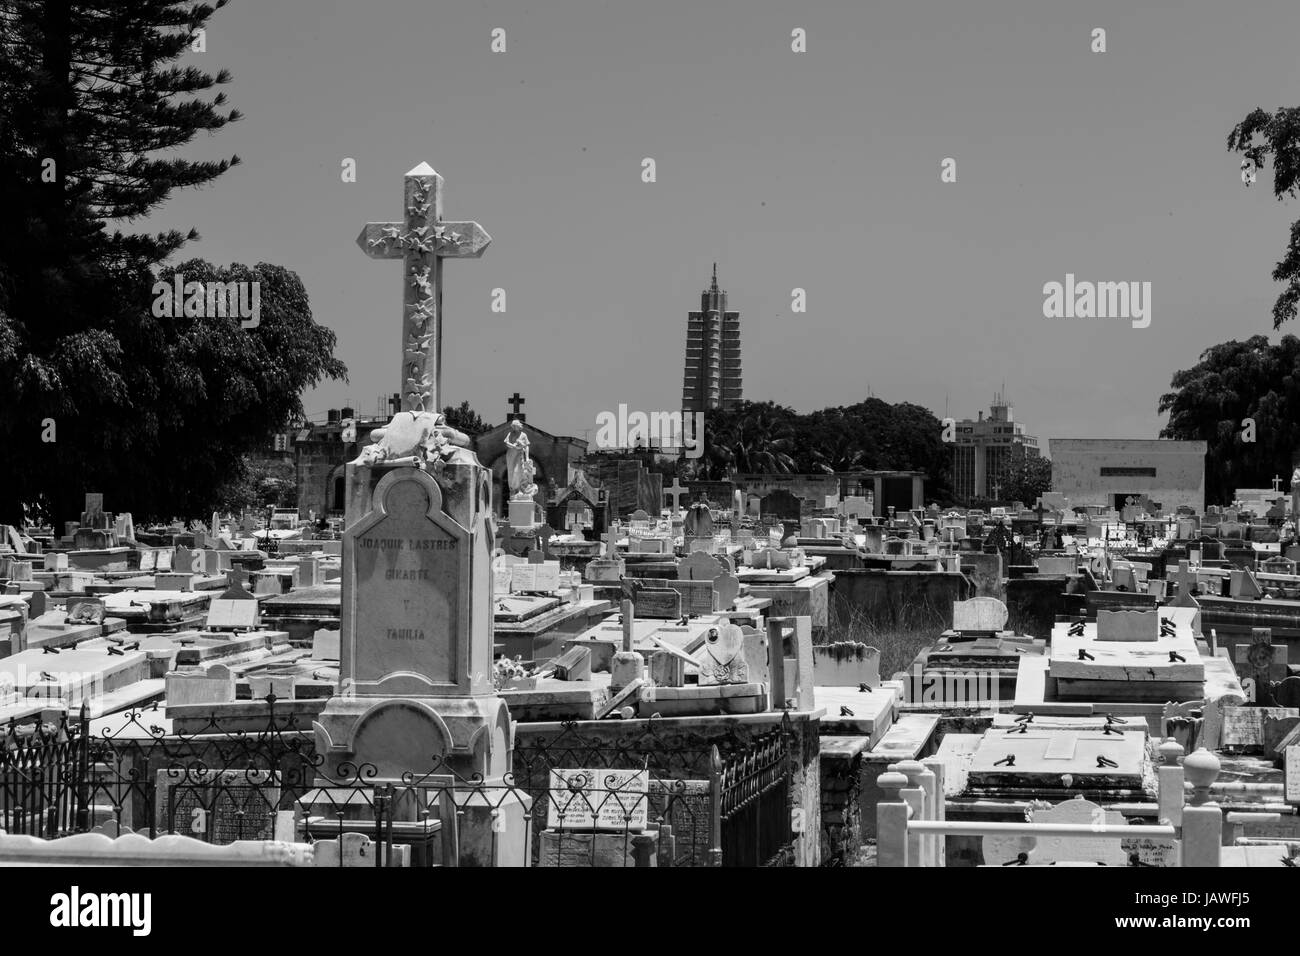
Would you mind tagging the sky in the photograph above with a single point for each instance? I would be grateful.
(817, 170)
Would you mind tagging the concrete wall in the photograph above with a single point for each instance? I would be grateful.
(1179, 471)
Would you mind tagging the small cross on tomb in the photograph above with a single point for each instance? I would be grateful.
(1262, 663)
(676, 492)
(1048, 754)
(1277, 482)
(1185, 578)
(610, 537)
(422, 240)
(515, 414)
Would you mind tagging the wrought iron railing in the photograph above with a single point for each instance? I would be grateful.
(721, 799)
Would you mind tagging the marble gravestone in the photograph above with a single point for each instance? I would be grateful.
(415, 646)
(415, 651)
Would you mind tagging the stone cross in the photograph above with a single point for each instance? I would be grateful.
(515, 401)
(1061, 744)
(1277, 482)
(676, 492)
(422, 241)
(610, 537)
(1263, 662)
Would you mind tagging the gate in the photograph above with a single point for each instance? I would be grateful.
(754, 805)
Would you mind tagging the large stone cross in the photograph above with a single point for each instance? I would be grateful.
(422, 241)
(676, 492)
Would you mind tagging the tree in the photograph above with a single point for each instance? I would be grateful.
(1025, 479)
(766, 438)
(875, 435)
(1243, 400)
(190, 397)
(751, 438)
(1257, 137)
(98, 393)
(465, 419)
(260, 482)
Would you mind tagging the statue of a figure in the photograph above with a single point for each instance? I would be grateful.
(699, 520)
(417, 438)
(519, 465)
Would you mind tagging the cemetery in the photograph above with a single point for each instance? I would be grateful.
(443, 641)
(672, 680)
(425, 686)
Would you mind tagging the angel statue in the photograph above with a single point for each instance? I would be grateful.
(519, 465)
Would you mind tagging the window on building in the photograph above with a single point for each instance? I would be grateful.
(1128, 472)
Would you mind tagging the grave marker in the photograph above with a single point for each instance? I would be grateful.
(979, 615)
(1291, 772)
(721, 658)
(422, 240)
(601, 799)
(235, 609)
(676, 492)
(663, 603)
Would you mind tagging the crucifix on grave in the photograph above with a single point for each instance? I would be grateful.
(422, 240)
(676, 492)
(515, 414)
(577, 517)
(1050, 754)
(610, 537)
(1277, 482)
(1260, 664)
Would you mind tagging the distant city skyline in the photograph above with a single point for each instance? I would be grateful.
(817, 171)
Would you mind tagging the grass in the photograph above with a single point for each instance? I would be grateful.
(911, 628)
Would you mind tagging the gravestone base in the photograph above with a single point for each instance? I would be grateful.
(605, 569)
(518, 542)
(465, 736)
(522, 514)
(561, 848)
(1130, 691)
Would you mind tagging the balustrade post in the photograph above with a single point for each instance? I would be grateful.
(891, 820)
(915, 797)
(1203, 820)
(1169, 782)
(938, 810)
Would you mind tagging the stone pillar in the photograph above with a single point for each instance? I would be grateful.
(938, 809)
(1169, 783)
(891, 820)
(914, 794)
(1203, 820)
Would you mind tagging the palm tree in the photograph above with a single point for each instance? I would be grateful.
(752, 438)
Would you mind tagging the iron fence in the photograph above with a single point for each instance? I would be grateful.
(653, 796)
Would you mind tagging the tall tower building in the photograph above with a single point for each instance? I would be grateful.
(712, 379)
